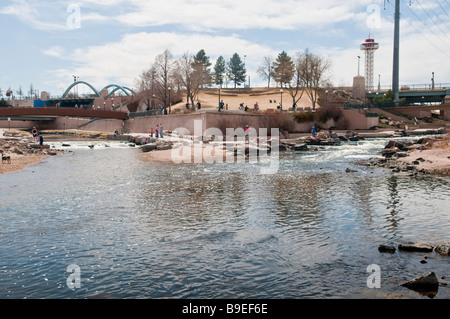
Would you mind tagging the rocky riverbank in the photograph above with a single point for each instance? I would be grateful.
(427, 284)
(21, 150)
(416, 156)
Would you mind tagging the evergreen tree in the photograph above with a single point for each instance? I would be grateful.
(219, 71)
(284, 69)
(236, 70)
(201, 62)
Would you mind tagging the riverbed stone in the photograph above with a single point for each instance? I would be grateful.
(411, 246)
(443, 250)
(386, 248)
(300, 147)
(427, 282)
(164, 147)
(149, 147)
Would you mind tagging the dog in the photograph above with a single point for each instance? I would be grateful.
(6, 159)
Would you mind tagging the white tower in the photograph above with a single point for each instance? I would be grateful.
(369, 47)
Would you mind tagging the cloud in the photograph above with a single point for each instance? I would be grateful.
(32, 13)
(237, 14)
(55, 51)
(125, 60)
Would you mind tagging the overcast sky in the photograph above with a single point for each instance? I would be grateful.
(103, 42)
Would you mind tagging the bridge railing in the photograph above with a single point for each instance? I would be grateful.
(145, 113)
(371, 105)
(412, 87)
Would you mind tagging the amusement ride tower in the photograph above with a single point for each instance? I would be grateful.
(369, 47)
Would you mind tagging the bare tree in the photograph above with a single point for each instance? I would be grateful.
(191, 76)
(20, 92)
(265, 70)
(295, 87)
(164, 67)
(314, 74)
(146, 84)
(31, 91)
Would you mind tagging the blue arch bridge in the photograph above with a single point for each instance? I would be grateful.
(96, 99)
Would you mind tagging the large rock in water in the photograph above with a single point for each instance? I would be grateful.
(164, 147)
(149, 147)
(426, 282)
(443, 250)
(415, 247)
(386, 248)
(300, 147)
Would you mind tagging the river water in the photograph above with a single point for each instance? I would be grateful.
(137, 229)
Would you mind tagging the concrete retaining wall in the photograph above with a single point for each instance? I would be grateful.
(358, 121)
(210, 119)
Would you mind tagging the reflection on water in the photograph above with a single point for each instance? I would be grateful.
(150, 230)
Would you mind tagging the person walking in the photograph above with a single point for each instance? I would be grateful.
(247, 132)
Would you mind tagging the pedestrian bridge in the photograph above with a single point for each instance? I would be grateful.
(49, 114)
(417, 97)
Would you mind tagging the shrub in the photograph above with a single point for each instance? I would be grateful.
(343, 124)
(304, 117)
(329, 111)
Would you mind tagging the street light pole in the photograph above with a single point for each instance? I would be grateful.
(281, 104)
(170, 101)
(395, 73)
(359, 59)
(432, 82)
(245, 80)
(75, 79)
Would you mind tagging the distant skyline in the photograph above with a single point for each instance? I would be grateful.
(46, 43)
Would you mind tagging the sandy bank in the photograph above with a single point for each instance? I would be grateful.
(21, 149)
(19, 162)
(435, 158)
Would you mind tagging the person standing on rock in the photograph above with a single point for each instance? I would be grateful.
(313, 131)
(151, 132)
(34, 131)
(41, 141)
(161, 130)
(157, 131)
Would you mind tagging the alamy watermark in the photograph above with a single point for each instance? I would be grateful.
(374, 19)
(374, 280)
(239, 145)
(74, 279)
(74, 19)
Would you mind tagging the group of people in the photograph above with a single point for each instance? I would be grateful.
(159, 131)
(245, 108)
